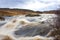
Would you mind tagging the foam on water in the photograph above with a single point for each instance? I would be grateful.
(17, 22)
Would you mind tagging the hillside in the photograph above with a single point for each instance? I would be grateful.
(11, 12)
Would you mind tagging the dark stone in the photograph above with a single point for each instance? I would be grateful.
(2, 18)
(32, 15)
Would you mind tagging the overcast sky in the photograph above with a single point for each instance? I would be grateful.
(37, 5)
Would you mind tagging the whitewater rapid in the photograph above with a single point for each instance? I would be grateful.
(27, 28)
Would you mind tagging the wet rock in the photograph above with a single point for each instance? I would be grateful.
(57, 37)
(55, 33)
(33, 30)
(2, 18)
(32, 15)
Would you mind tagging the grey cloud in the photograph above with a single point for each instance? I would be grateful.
(49, 4)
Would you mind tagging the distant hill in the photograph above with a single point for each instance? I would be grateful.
(53, 11)
(12, 12)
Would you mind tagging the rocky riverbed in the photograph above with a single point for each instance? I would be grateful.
(23, 27)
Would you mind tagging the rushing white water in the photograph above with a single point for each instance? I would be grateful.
(28, 28)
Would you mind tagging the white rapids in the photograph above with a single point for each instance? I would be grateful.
(7, 30)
